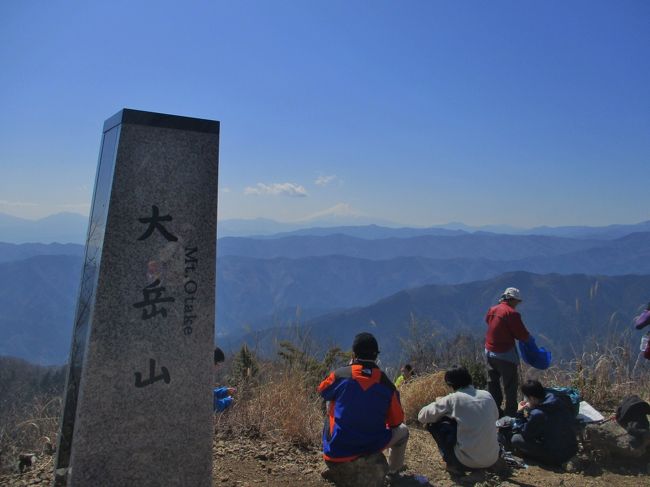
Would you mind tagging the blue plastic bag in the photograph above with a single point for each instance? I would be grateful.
(540, 358)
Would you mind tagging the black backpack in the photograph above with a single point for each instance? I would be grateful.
(632, 415)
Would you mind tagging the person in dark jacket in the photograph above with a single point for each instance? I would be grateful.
(364, 414)
(548, 433)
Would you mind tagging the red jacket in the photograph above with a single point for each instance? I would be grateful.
(504, 326)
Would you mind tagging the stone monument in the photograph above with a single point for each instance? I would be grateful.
(138, 398)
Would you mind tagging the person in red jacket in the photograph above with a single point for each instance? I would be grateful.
(504, 327)
(364, 414)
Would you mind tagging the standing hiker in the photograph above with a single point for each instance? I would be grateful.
(504, 327)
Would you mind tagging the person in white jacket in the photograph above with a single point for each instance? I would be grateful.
(463, 424)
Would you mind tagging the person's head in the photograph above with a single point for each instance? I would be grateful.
(458, 377)
(218, 356)
(365, 346)
(533, 392)
(512, 296)
(407, 369)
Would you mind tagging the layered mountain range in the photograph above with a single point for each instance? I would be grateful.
(339, 283)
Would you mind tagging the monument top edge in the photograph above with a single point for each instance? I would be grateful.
(163, 120)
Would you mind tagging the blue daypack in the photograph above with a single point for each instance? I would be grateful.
(540, 358)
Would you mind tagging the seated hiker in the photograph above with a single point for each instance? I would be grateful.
(463, 424)
(406, 375)
(548, 433)
(364, 414)
(222, 396)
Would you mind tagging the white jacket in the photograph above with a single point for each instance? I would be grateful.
(476, 414)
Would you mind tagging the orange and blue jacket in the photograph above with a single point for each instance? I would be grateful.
(363, 406)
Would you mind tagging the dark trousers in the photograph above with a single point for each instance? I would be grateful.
(502, 371)
(535, 451)
(444, 432)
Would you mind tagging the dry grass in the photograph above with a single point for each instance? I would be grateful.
(421, 391)
(284, 406)
(281, 400)
(30, 429)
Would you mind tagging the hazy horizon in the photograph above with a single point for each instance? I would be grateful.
(349, 223)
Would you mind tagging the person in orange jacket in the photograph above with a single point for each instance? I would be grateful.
(364, 414)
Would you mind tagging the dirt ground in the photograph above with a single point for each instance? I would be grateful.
(249, 463)
(252, 462)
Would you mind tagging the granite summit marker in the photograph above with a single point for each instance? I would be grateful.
(138, 399)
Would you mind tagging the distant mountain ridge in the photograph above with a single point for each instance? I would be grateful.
(254, 291)
(10, 252)
(366, 231)
(479, 245)
(266, 228)
(60, 227)
(71, 228)
(268, 282)
(560, 311)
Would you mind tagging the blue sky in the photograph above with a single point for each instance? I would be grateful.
(420, 112)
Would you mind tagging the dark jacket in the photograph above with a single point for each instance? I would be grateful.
(552, 425)
(363, 406)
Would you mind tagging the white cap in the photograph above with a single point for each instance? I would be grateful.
(511, 293)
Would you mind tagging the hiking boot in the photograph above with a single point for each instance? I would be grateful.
(499, 466)
(399, 470)
(326, 473)
(455, 470)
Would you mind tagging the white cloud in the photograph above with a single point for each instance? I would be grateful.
(224, 189)
(324, 180)
(287, 189)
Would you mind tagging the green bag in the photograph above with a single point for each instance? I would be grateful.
(570, 395)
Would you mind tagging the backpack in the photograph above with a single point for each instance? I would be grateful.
(569, 395)
(632, 415)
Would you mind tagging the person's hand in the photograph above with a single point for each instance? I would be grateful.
(231, 390)
(522, 405)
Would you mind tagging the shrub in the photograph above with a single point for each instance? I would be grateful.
(32, 427)
(421, 391)
(285, 406)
